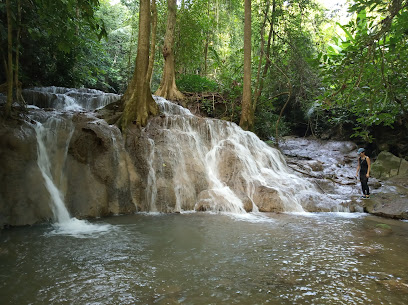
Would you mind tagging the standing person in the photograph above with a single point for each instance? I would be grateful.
(363, 167)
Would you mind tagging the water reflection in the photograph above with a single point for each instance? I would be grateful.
(199, 258)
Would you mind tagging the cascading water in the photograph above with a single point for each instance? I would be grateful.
(46, 145)
(68, 98)
(215, 165)
(151, 180)
(53, 137)
(190, 163)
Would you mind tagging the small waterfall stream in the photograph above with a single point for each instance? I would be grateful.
(53, 138)
(47, 141)
(51, 161)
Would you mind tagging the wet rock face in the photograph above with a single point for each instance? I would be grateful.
(94, 173)
(267, 199)
(172, 173)
(60, 97)
(190, 163)
(178, 162)
(330, 165)
(99, 179)
(22, 199)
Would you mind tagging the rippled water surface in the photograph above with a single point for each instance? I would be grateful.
(199, 258)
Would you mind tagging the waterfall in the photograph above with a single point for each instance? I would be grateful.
(72, 99)
(151, 180)
(185, 162)
(214, 165)
(47, 144)
(53, 138)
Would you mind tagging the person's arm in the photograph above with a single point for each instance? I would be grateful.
(368, 167)
(358, 167)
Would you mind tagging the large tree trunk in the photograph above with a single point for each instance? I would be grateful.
(153, 45)
(247, 114)
(9, 59)
(139, 103)
(168, 88)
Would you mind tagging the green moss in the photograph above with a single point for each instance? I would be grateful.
(383, 226)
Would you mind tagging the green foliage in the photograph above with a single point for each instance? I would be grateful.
(366, 71)
(118, 51)
(193, 23)
(57, 40)
(265, 125)
(196, 83)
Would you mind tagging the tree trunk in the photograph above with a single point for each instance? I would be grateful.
(131, 43)
(17, 84)
(247, 114)
(153, 45)
(168, 88)
(139, 103)
(9, 59)
(206, 54)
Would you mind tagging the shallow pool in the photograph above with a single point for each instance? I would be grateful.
(202, 258)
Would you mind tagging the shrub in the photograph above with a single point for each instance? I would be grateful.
(196, 83)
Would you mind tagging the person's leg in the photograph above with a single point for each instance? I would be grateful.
(364, 185)
(367, 188)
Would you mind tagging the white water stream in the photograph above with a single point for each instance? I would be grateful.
(236, 165)
(53, 137)
(46, 145)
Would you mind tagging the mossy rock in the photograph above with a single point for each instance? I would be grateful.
(387, 165)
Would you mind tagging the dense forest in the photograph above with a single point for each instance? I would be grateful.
(275, 67)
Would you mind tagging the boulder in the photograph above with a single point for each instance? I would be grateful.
(391, 205)
(268, 200)
(98, 176)
(387, 165)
